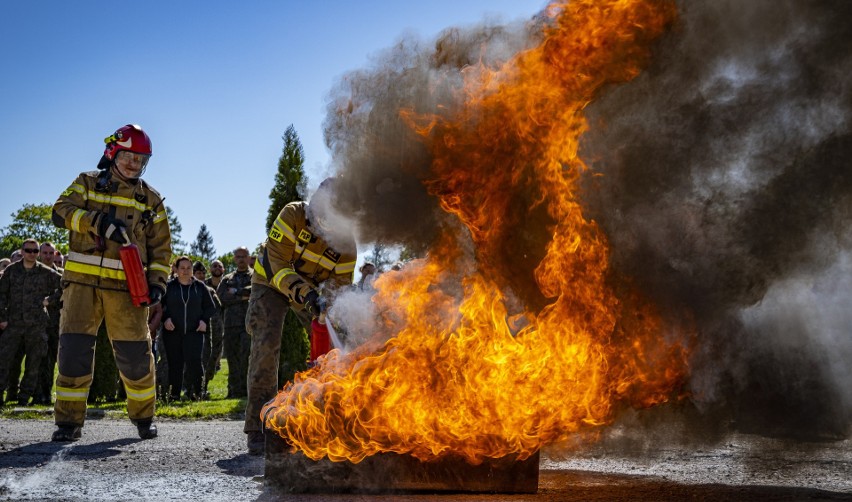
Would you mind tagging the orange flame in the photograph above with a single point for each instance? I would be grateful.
(468, 368)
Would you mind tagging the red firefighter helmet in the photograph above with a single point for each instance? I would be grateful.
(130, 138)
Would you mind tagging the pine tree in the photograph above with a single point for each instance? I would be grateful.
(178, 246)
(290, 185)
(203, 245)
(290, 179)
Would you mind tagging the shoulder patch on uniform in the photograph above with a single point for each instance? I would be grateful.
(275, 234)
(68, 191)
(305, 236)
(331, 255)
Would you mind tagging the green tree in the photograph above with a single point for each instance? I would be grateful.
(289, 186)
(380, 257)
(203, 245)
(178, 246)
(227, 260)
(32, 221)
(290, 179)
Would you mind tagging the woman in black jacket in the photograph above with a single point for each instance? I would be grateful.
(187, 307)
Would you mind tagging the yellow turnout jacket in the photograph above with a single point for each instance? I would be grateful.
(134, 202)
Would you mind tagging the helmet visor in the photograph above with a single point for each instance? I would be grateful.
(131, 164)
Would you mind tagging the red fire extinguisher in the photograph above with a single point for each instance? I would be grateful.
(137, 284)
(320, 340)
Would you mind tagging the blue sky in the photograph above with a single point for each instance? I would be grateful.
(215, 84)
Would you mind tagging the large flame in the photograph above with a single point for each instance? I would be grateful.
(469, 368)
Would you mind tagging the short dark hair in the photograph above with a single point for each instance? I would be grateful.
(198, 266)
(182, 258)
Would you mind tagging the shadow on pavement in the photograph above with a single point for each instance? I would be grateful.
(244, 465)
(33, 455)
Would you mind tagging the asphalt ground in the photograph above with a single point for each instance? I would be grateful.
(206, 460)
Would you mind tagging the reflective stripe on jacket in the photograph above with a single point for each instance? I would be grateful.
(139, 206)
(294, 259)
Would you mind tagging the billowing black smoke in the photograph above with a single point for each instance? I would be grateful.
(381, 160)
(725, 189)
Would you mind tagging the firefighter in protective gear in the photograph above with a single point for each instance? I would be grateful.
(99, 209)
(303, 250)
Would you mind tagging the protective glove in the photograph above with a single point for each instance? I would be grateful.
(155, 294)
(314, 305)
(111, 228)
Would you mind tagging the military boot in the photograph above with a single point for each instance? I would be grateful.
(255, 443)
(64, 433)
(146, 429)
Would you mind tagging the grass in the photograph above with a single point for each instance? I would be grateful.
(217, 407)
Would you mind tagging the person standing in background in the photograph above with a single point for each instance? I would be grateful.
(44, 389)
(187, 307)
(211, 361)
(27, 288)
(234, 291)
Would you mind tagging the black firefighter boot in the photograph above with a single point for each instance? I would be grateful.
(147, 429)
(65, 432)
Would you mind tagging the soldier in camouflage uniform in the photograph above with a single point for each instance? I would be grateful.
(302, 251)
(200, 273)
(26, 288)
(217, 333)
(46, 255)
(15, 368)
(234, 291)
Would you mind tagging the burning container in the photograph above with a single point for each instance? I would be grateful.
(393, 473)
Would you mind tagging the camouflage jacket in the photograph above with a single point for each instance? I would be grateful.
(217, 317)
(22, 293)
(235, 305)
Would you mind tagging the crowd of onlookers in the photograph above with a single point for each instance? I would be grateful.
(186, 327)
(200, 319)
(29, 321)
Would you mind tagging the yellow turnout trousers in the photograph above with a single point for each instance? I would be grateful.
(83, 310)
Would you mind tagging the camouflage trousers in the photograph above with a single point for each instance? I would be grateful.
(237, 346)
(33, 338)
(48, 364)
(264, 322)
(212, 348)
(14, 378)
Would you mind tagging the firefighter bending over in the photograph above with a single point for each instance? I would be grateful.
(101, 209)
(303, 250)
